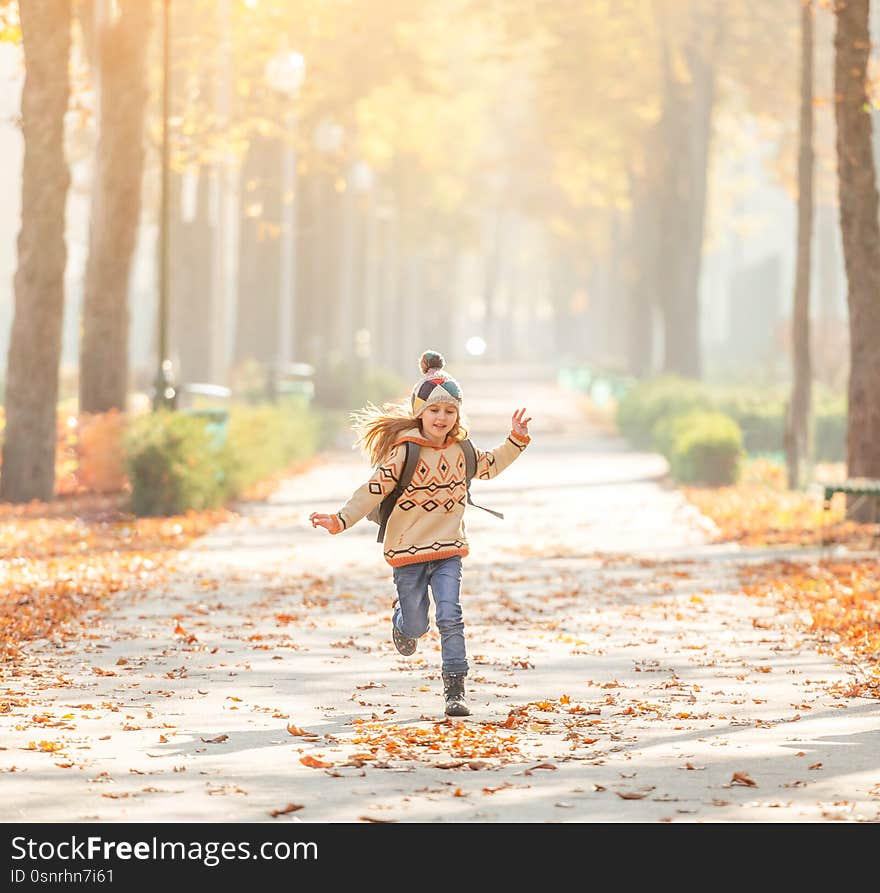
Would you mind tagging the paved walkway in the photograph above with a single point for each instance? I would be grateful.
(616, 673)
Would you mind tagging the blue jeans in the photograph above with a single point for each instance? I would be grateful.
(411, 614)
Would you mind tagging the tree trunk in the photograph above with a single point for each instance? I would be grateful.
(495, 251)
(609, 328)
(116, 207)
(685, 130)
(439, 300)
(640, 278)
(28, 469)
(828, 261)
(403, 338)
(798, 416)
(861, 235)
(679, 350)
(307, 330)
(389, 284)
(345, 296)
(411, 323)
(192, 239)
(330, 270)
(560, 294)
(369, 272)
(259, 252)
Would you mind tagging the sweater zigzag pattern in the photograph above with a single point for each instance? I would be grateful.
(428, 521)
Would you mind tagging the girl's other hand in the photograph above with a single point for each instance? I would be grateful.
(328, 522)
(518, 424)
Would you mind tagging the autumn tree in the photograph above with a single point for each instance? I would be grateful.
(627, 100)
(630, 96)
(595, 105)
(28, 469)
(350, 52)
(798, 415)
(121, 44)
(861, 233)
(689, 71)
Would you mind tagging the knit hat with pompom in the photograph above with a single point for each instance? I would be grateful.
(435, 385)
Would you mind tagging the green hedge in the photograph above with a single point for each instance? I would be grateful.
(178, 461)
(173, 464)
(702, 447)
(760, 415)
(761, 418)
(650, 401)
(263, 440)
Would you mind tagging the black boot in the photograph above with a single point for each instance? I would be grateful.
(402, 643)
(453, 691)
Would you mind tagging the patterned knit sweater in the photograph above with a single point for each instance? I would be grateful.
(428, 521)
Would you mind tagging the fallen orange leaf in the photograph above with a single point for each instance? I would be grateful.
(291, 807)
(312, 763)
(46, 746)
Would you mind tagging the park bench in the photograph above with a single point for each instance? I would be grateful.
(599, 384)
(216, 418)
(291, 380)
(862, 488)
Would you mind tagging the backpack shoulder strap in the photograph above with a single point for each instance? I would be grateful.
(409, 465)
(470, 459)
(406, 473)
(470, 464)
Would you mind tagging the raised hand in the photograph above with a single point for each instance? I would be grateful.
(328, 522)
(518, 424)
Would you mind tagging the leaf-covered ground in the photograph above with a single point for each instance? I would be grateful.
(838, 598)
(65, 558)
(839, 601)
(760, 511)
(617, 674)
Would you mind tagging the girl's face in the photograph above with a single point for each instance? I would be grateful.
(439, 419)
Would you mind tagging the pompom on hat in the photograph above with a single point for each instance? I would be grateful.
(435, 385)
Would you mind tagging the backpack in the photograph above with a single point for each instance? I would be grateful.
(382, 512)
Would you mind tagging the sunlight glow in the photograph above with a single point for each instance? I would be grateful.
(475, 346)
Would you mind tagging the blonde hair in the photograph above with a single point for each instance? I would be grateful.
(377, 427)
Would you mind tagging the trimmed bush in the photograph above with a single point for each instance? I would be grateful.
(178, 461)
(173, 464)
(263, 440)
(664, 433)
(703, 448)
(649, 401)
(759, 414)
